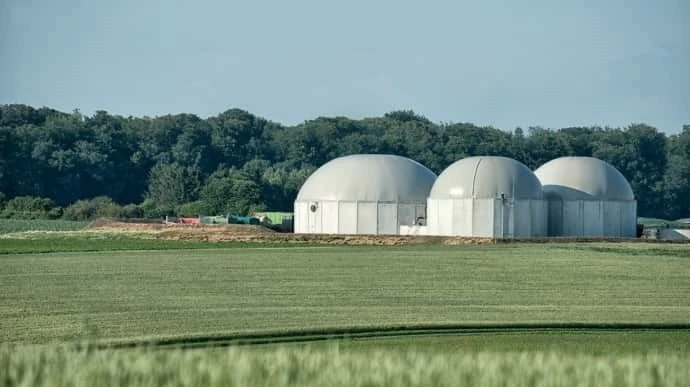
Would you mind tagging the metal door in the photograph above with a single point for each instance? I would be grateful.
(508, 222)
(314, 217)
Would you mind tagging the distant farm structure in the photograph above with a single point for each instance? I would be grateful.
(481, 196)
(278, 221)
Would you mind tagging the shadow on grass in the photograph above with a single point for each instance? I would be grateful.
(316, 335)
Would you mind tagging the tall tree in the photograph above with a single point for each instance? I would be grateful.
(5, 152)
(544, 145)
(677, 178)
(518, 146)
(235, 133)
(173, 184)
(639, 152)
(68, 156)
(414, 136)
(466, 140)
(230, 191)
(580, 140)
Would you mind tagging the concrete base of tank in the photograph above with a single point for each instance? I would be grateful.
(413, 230)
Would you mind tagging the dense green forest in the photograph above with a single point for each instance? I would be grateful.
(56, 164)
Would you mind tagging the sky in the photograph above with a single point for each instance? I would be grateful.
(504, 63)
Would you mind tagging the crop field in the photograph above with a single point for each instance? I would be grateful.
(80, 309)
(334, 366)
(18, 225)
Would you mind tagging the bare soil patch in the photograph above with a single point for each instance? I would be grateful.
(260, 234)
(108, 224)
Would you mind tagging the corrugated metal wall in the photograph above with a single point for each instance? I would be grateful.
(387, 219)
(483, 216)
(612, 211)
(367, 218)
(593, 222)
(555, 218)
(444, 217)
(487, 217)
(473, 217)
(315, 219)
(333, 217)
(347, 218)
(329, 217)
(432, 213)
(406, 214)
(541, 217)
(592, 218)
(629, 219)
(460, 223)
(301, 214)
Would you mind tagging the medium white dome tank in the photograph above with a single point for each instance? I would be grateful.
(487, 196)
(487, 177)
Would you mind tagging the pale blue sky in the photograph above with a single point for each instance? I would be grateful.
(501, 63)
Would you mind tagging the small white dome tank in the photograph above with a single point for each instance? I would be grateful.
(587, 197)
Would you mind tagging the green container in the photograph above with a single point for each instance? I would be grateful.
(234, 219)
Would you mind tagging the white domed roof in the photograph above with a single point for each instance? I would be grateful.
(487, 177)
(583, 178)
(369, 177)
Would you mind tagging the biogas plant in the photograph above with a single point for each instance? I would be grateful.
(482, 196)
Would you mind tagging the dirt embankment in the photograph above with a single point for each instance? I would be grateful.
(108, 224)
(260, 234)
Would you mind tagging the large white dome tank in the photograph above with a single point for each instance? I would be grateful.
(363, 194)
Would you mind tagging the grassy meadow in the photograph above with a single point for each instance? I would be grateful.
(34, 242)
(8, 226)
(527, 314)
(138, 294)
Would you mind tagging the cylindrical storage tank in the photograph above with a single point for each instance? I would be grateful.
(587, 197)
(487, 196)
(363, 194)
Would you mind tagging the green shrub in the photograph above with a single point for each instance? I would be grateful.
(101, 206)
(132, 211)
(151, 209)
(29, 207)
(80, 210)
(55, 213)
(231, 192)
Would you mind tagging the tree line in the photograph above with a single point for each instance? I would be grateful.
(58, 164)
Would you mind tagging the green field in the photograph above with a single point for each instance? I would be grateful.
(93, 241)
(19, 225)
(568, 311)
